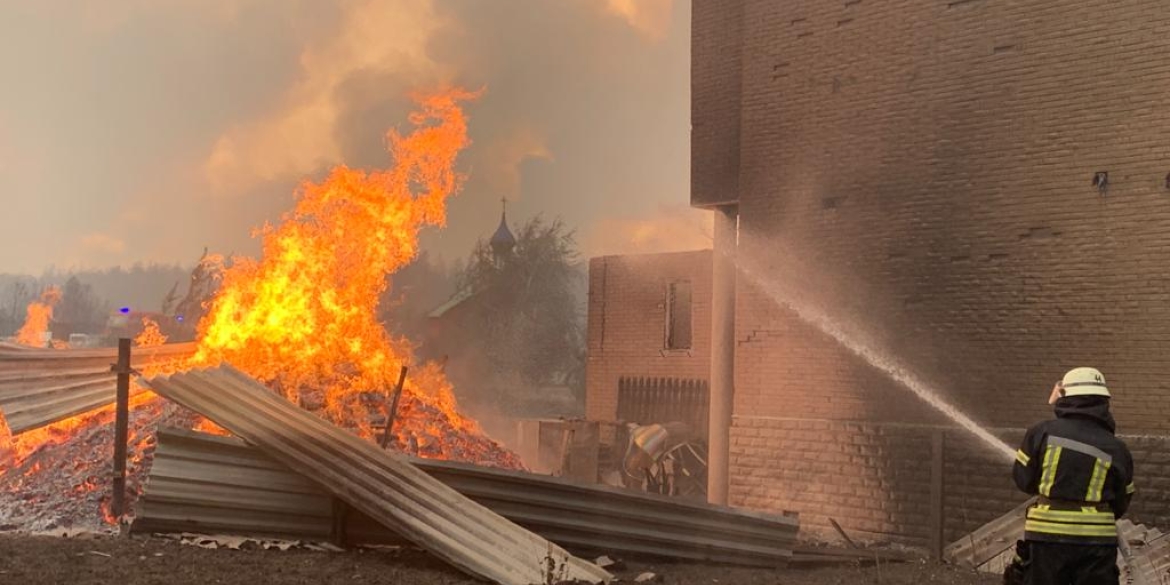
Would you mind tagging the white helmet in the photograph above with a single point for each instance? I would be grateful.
(1084, 382)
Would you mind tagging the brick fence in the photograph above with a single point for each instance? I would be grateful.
(875, 479)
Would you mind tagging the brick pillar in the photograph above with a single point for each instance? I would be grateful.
(722, 353)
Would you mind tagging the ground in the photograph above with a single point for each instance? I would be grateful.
(34, 560)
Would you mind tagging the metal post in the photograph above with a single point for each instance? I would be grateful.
(121, 422)
(339, 534)
(393, 410)
(722, 354)
(937, 446)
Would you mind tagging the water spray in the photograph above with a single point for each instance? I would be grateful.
(856, 345)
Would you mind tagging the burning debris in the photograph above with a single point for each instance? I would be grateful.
(59, 476)
(151, 336)
(302, 319)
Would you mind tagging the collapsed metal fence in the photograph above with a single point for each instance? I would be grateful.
(379, 483)
(203, 483)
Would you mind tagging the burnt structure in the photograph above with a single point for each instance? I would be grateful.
(981, 186)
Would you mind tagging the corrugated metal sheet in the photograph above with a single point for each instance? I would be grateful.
(603, 519)
(200, 482)
(204, 483)
(990, 542)
(39, 387)
(389, 490)
(1145, 552)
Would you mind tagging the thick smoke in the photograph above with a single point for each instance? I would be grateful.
(120, 154)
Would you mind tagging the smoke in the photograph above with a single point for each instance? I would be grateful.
(669, 228)
(374, 38)
(173, 125)
(103, 243)
(650, 17)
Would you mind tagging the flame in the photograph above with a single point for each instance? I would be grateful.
(151, 336)
(303, 320)
(36, 323)
(303, 317)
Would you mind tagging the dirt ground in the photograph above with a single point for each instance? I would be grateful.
(140, 561)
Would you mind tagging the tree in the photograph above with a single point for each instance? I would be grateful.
(411, 294)
(79, 307)
(526, 309)
(15, 304)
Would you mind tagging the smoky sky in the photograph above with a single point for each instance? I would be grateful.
(144, 131)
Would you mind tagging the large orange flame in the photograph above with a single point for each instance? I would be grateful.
(36, 323)
(303, 318)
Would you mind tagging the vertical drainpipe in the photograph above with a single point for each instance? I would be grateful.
(722, 353)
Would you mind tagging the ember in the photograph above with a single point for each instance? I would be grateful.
(65, 481)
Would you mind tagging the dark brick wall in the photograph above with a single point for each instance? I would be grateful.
(627, 323)
(928, 165)
(716, 64)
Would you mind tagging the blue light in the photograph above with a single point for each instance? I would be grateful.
(124, 310)
(179, 318)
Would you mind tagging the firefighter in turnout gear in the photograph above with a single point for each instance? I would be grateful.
(1082, 476)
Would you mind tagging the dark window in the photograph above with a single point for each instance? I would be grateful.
(678, 315)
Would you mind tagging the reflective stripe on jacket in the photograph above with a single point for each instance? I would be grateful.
(1082, 472)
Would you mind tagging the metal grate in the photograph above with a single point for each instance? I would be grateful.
(663, 400)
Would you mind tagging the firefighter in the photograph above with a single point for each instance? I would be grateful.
(1082, 475)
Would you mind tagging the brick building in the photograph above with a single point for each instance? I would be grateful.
(980, 187)
(648, 317)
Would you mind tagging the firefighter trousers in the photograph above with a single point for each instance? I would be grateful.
(1052, 563)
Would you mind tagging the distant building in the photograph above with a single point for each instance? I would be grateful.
(446, 334)
(455, 341)
(649, 332)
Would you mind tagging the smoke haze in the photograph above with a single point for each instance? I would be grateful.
(143, 131)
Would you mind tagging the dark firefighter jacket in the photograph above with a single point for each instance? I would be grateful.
(1082, 473)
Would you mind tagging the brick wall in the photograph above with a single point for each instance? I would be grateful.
(715, 82)
(875, 478)
(627, 323)
(922, 169)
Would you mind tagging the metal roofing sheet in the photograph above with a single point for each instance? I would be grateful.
(990, 541)
(386, 488)
(39, 387)
(1145, 552)
(197, 480)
